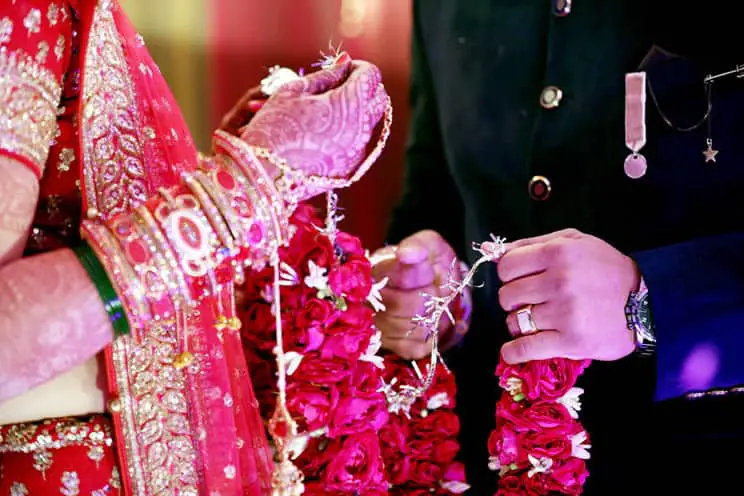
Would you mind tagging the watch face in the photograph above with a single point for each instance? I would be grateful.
(644, 314)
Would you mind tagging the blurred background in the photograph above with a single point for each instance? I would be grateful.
(212, 51)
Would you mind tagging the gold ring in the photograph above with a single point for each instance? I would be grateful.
(525, 321)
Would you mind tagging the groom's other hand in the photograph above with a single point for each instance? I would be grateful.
(419, 264)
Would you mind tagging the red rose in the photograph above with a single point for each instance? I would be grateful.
(445, 452)
(350, 245)
(547, 380)
(443, 423)
(546, 444)
(398, 468)
(421, 446)
(317, 454)
(567, 476)
(352, 279)
(514, 484)
(426, 473)
(314, 313)
(312, 403)
(394, 434)
(259, 326)
(357, 467)
(366, 377)
(358, 411)
(314, 369)
(308, 244)
(305, 214)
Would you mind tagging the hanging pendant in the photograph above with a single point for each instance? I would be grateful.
(635, 166)
(709, 152)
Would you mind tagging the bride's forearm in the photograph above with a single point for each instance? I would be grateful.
(51, 320)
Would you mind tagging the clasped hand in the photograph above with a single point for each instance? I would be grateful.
(320, 123)
(576, 286)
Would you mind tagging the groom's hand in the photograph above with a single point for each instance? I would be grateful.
(576, 287)
(419, 264)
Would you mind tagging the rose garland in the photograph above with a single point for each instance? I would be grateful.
(539, 447)
(419, 446)
(331, 346)
(334, 374)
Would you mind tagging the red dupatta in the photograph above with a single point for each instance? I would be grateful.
(189, 431)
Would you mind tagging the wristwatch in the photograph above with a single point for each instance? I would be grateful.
(640, 321)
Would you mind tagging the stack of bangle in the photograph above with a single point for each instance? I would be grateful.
(103, 285)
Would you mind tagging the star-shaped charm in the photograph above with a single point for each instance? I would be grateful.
(710, 154)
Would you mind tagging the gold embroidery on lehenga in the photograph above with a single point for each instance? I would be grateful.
(29, 95)
(32, 21)
(18, 489)
(70, 484)
(53, 14)
(114, 171)
(66, 158)
(42, 52)
(59, 47)
(156, 425)
(6, 30)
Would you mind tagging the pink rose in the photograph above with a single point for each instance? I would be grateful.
(357, 412)
(357, 467)
(541, 416)
(349, 245)
(315, 370)
(455, 472)
(355, 317)
(348, 345)
(352, 279)
(547, 380)
(312, 403)
(504, 444)
(567, 476)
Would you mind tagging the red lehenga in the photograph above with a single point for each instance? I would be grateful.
(73, 73)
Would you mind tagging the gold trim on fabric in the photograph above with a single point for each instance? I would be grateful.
(156, 427)
(29, 95)
(112, 147)
(154, 430)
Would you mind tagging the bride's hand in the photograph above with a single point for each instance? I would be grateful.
(321, 123)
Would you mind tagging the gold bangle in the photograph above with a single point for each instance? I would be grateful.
(226, 233)
(228, 213)
(146, 220)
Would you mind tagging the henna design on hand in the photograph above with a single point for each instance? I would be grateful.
(322, 123)
(51, 320)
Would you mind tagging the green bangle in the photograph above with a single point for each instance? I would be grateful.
(110, 299)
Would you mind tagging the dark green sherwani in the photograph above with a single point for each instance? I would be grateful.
(486, 155)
